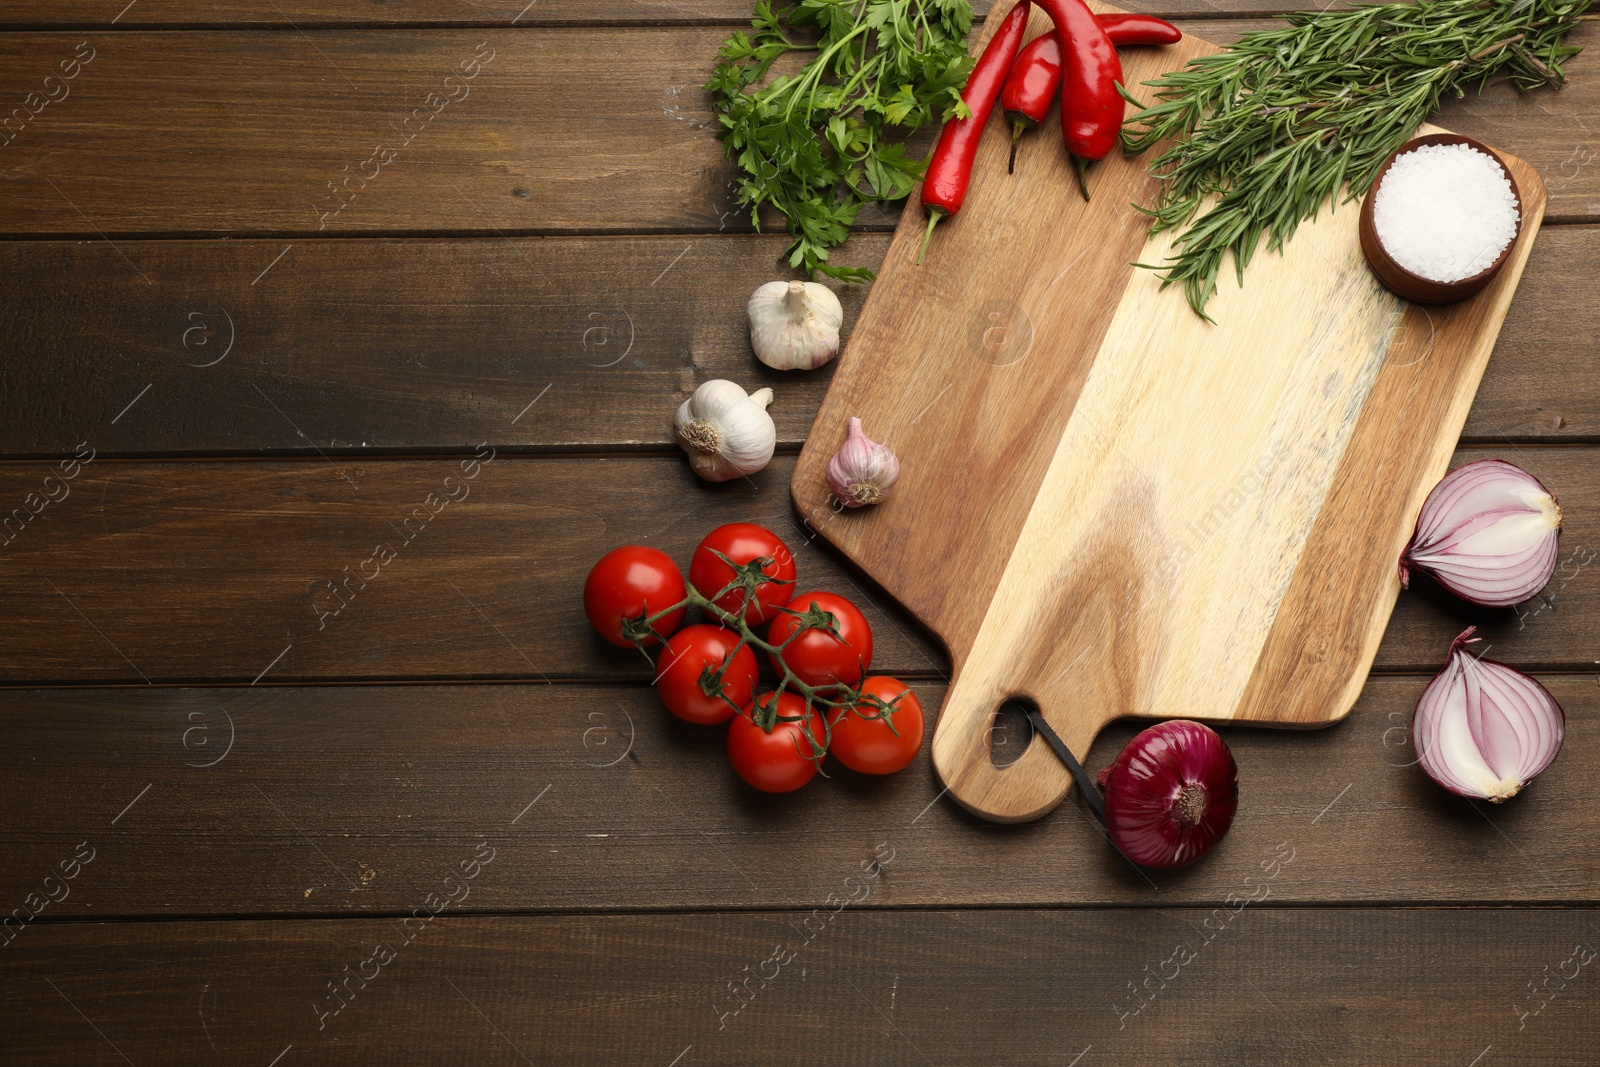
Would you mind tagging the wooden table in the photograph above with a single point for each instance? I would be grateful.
(287, 281)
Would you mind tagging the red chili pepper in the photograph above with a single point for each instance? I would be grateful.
(950, 166)
(1036, 75)
(1030, 88)
(1091, 106)
(1139, 29)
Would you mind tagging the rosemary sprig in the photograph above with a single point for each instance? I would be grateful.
(819, 144)
(1272, 127)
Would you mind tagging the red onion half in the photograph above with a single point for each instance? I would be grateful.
(1483, 729)
(1488, 533)
(1171, 794)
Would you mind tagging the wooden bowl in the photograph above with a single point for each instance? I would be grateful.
(1403, 282)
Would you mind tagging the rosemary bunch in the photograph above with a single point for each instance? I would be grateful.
(1273, 126)
(818, 144)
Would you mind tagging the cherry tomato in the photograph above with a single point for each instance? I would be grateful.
(743, 542)
(776, 762)
(868, 745)
(630, 582)
(817, 657)
(688, 654)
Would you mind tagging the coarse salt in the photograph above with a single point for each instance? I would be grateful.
(1445, 211)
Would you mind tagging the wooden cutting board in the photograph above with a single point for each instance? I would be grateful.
(1112, 508)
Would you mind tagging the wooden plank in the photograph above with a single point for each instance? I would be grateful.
(210, 133)
(210, 571)
(1530, 389)
(313, 14)
(207, 132)
(858, 986)
(385, 345)
(620, 329)
(346, 800)
(241, 560)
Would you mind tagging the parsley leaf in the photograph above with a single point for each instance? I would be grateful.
(819, 144)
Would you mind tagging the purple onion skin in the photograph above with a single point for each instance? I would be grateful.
(1171, 794)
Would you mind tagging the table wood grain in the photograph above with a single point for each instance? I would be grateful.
(620, 330)
(337, 800)
(230, 773)
(828, 984)
(358, 132)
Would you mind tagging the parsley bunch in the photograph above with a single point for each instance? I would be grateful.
(818, 144)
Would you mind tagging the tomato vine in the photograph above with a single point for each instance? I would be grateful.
(830, 698)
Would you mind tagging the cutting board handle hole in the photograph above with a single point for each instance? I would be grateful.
(1011, 733)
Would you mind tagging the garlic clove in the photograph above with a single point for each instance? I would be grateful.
(726, 432)
(863, 471)
(794, 325)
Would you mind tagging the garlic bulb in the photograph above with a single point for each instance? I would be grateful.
(862, 471)
(794, 325)
(726, 432)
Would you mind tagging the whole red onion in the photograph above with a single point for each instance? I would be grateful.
(1171, 794)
